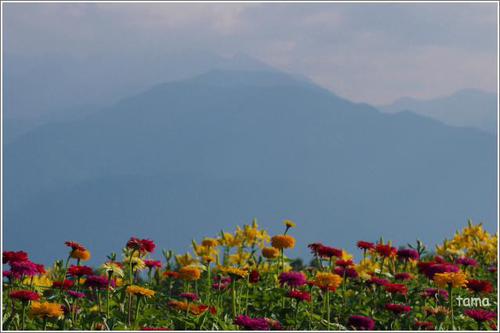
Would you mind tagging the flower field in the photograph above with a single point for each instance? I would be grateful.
(245, 281)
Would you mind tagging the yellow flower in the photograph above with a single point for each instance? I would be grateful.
(39, 281)
(185, 259)
(82, 255)
(112, 268)
(229, 240)
(289, 224)
(366, 268)
(209, 242)
(233, 272)
(326, 280)
(119, 282)
(140, 291)
(283, 242)
(240, 258)
(46, 310)
(190, 273)
(137, 263)
(270, 252)
(455, 280)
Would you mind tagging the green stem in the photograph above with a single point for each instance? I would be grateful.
(450, 292)
(137, 308)
(23, 316)
(233, 287)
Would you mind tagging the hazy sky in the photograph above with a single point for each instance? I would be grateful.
(366, 52)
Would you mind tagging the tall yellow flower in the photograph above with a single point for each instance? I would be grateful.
(209, 242)
(453, 279)
(327, 280)
(233, 272)
(185, 259)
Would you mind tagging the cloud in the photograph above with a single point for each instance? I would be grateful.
(366, 52)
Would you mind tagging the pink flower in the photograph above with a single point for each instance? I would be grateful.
(23, 268)
(293, 279)
(152, 264)
(189, 296)
(141, 245)
(300, 295)
(480, 315)
(253, 324)
(75, 294)
(24, 295)
(361, 323)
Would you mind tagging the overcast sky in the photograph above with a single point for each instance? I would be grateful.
(373, 53)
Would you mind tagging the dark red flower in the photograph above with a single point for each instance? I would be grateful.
(156, 329)
(66, 284)
(24, 295)
(377, 281)
(365, 245)
(23, 268)
(152, 264)
(254, 276)
(75, 294)
(466, 262)
(407, 254)
(424, 325)
(98, 282)
(344, 263)
(75, 246)
(480, 286)
(12, 256)
(299, 295)
(79, 271)
(361, 323)
(323, 251)
(429, 269)
(252, 324)
(385, 250)
(395, 288)
(480, 315)
(398, 308)
(189, 296)
(141, 245)
(349, 272)
(403, 276)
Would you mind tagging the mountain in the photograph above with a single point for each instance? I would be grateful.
(186, 159)
(468, 107)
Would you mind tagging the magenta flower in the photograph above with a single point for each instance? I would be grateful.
(252, 324)
(189, 296)
(407, 254)
(361, 323)
(292, 279)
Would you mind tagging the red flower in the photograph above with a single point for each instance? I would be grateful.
(480, 315)
(378, 281)
(66, 284)
(24, 268)
(24, 295)
(403, 276)
(152, 264)
(430, 268)
(171, 274)
(141, 245)
(398, 308)
(361, 323)
(385, 250)
(252, 324)
(79, 271)
(322, 251)
(254, 276)
(348, 272)
(424, 325)
(11, 256)
(395, 288)
(466, 262)
(75, 246)
(299, 295)
(365, 245)
(407, 254)
(292, 279)
(480, 286)
(98, 282)
(189, 296)
(344, 263)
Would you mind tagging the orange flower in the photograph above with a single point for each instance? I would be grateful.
(270, 252)
(326, 280)
(190, 273)
(283, 242)
(195, 309)
(46, 310)
(83, 255)
(453, 279)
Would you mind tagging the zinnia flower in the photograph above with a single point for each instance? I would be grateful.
(344, 263)
(385, 250)
(431, 268)
(303, 296)
(24, 295)
(140, 291)
(171, 274)
(189, 296)
(398, 308)
(361, 323)
(433, 293)
(233, 272)
(190, 273)
(466, 262)
(347, 272)
(455, 280)
(97, 281)
(327, 281)
(66, 284)
(424, 325)
(292, 279)
(254, 276)
(75, 246)
(365, 245)
(12, 256)
(480, 286)
(283, 242)
(403, 276)
(23, 268)
(480, 315)
(252, 324)
(209, 242)
(323, 251)
(112, 268)
(407, 254)
(80, 271)
(46, 310)
(395, 288)
(270, 252)
(152, 264)
(141, 245)
(378, 281)
(82, 255)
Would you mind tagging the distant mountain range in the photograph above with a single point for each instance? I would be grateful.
(188, 158)
(468, 107)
